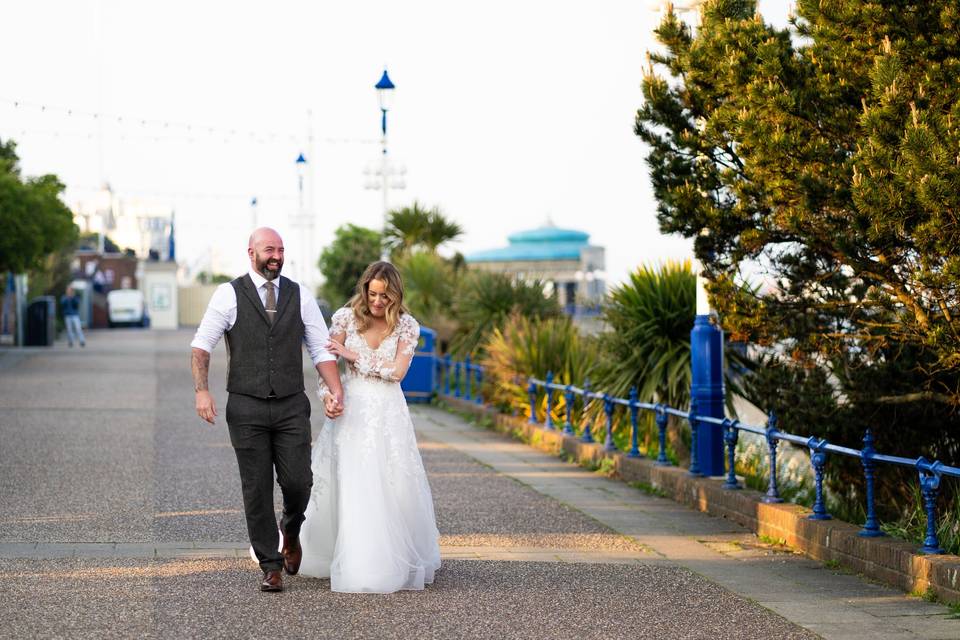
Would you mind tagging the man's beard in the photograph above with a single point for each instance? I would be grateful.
(270, 273)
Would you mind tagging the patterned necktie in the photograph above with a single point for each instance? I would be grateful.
(271, 305)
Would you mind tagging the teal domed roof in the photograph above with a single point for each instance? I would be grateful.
(545, 243)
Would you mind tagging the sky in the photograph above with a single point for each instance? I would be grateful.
(505, 115)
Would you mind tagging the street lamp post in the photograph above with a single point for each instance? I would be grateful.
(387, 175)
(707, 391)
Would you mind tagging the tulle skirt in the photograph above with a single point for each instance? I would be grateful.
(370, 525)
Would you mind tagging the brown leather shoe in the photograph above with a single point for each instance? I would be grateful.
(292, 554)
(272, 581)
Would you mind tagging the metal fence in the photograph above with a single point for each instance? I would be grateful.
(463, 379)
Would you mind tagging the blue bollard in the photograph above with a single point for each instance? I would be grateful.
(929, 487)
(730, 435)
(634, 425)
(568, 396)
(549, 421)
(468, 372)
(707, 393)
(608, 408)
(694, 439)
(661, 412)
(532, 392)
(456, 379)
(479, 383)
(871, 528)
(773, 494)
(818, 457)
(446, 368)
(587, 435)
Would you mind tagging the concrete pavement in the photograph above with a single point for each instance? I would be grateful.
(120, 516)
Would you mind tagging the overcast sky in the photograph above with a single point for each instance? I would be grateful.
(505, 113)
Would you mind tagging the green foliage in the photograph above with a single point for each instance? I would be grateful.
(90, 241)
(830, 161)
(205, 277)
(342, 262)
(486, 300)
(647, 346)
(429, 282)
(532, 347)
(416, 227)
(35, 222)
(912, 524)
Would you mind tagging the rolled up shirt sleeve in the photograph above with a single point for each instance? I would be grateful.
(219, 317)
(315, 334)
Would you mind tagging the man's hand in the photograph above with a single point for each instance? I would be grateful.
(206, 407)
(332, 406)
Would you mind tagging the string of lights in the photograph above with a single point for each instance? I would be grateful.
(171, 129)
(180, 195)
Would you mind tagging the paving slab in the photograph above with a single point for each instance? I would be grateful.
(834, 605)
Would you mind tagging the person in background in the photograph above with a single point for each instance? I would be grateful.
(70, 306)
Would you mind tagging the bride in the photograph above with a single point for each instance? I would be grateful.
(370, 524)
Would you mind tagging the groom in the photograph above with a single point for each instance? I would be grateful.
(266, 318)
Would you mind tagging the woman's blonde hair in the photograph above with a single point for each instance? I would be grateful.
(387, 273)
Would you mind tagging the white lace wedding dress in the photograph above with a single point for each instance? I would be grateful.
(370, 524)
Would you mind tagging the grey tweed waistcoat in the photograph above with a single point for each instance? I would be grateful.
(265, 359)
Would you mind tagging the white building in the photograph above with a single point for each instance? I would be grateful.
(142, 225)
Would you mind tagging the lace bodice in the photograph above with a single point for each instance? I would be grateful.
(390, 360)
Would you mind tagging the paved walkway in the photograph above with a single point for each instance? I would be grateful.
(120, 517)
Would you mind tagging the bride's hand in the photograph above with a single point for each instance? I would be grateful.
(338, 349)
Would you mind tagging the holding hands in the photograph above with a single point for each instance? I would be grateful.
(332, 405)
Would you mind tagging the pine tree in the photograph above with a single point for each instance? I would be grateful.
(825, 156)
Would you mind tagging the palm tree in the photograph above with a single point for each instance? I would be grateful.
(429, 283)
(486, 300)
(648, 345)
(415, 227)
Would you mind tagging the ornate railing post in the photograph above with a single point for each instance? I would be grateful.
(773, 494)
(468, 371)
(634, 425)
(818, 458)
(532, 392)
(587, 435)
(479, 383)
(568, 397)
(662, 417)
(871, 528)
(456, 379)
(929, 487)
(608, 408)
(548, 423)
(694, 426)
(730, 436)
(446, 370)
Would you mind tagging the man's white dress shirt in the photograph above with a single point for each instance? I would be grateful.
(221, 314)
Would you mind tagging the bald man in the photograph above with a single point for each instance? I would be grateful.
(267, 318)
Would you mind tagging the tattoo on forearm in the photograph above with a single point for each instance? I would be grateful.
(200, 364)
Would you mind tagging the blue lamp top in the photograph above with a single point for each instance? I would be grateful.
(301, 159)
(385, 82)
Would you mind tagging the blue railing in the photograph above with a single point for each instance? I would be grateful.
(460, 379)
(930, 473)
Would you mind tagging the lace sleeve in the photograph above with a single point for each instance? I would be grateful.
(409, 332)
(373, 364)
(340, 321)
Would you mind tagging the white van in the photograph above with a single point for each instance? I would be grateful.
(127, 307)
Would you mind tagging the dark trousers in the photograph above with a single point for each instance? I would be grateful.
(267, 434)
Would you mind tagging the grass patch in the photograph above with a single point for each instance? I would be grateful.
(776, 542)
(649, 489)
(833, 565)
